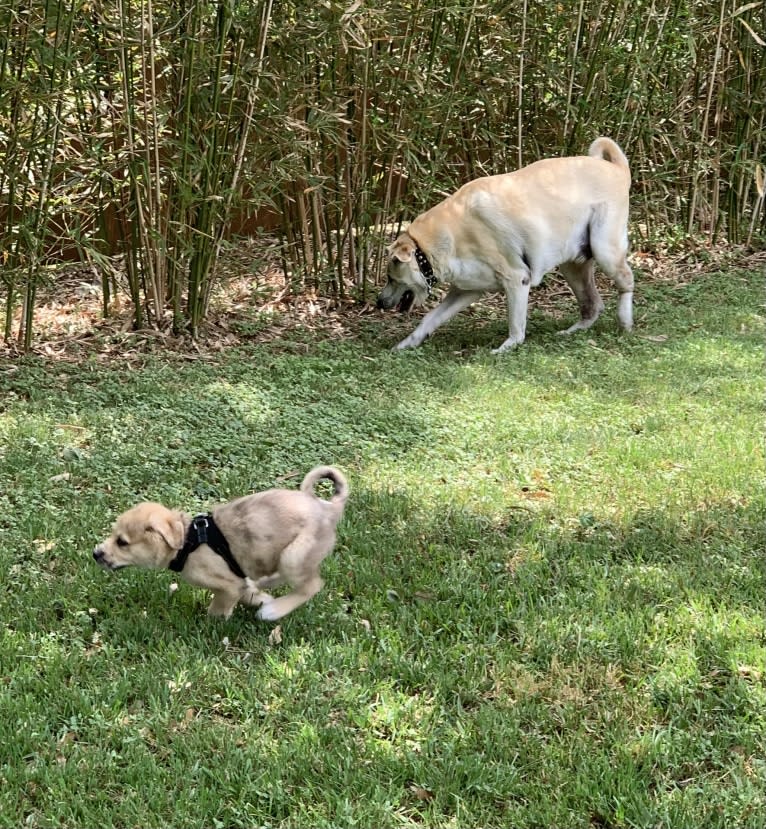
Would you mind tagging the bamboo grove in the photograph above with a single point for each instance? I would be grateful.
(141, 136)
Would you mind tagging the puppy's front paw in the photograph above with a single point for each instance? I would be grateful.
(215, 611)
(222, 604)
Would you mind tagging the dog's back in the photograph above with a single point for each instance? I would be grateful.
(552, 180)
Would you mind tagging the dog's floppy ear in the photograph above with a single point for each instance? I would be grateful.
(402, 250)
(171, 529)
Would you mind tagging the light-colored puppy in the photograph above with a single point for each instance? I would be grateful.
(269, 538)
(504, 232)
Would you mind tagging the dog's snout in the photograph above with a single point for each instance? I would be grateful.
(387, 298)
(98, 554)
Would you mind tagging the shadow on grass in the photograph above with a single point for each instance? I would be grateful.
(477, 657)
(82, 442)
(454, 575)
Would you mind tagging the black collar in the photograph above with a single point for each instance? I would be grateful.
(425, 268)
(204, 530)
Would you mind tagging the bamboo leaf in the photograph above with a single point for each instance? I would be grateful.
(759, 40)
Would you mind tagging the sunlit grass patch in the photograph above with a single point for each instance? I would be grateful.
(545, 606)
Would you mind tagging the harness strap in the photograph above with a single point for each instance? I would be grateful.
(204, 530)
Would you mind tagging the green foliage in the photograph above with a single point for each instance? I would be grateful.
(154, 130)
(545, 607)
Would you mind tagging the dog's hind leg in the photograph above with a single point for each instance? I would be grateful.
(611, 254)
(299, 567)
(619, 270)
(580, 278)
(274, 580)
(623, 278)
(452, 304)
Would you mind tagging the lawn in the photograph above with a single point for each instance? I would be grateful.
(545, 607)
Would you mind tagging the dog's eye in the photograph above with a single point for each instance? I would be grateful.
(121, 542)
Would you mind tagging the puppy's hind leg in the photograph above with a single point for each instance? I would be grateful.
(581, 280)
(277, 608)
(274, 580)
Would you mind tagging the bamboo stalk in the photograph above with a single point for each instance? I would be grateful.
(706, 116)
(52, 129)
(575, 50)
(520, 105)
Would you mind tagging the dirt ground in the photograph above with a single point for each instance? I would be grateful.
(250, 306)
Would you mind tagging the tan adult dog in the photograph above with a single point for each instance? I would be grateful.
(504, 232)
(240, 548)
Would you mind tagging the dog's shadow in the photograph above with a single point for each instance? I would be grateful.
(484, 325)
(480, 334)
(155, 612)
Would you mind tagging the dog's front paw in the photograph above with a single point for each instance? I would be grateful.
(409, 343)
(510, 343)
(258, 598)
(222, 604)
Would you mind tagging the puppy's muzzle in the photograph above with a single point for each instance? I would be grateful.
(99, 556)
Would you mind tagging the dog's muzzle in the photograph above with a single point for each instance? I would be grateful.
(390, 297)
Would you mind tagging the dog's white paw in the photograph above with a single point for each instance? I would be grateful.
(580, 325)
(510, 343)
(268, 612)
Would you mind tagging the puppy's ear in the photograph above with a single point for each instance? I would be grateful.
(170, 529)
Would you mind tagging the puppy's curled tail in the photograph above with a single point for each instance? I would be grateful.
(608, 150)
(329, 473)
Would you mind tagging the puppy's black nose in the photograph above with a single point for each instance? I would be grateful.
(98, 554)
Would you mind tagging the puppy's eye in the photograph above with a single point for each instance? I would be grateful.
(121, 542)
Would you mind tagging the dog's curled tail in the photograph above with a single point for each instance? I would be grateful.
(330, 473)
(608, 150)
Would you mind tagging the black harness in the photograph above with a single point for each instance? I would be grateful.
(424, 266)
(204, 530)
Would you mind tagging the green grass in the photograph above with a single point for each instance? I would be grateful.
(545, 608)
